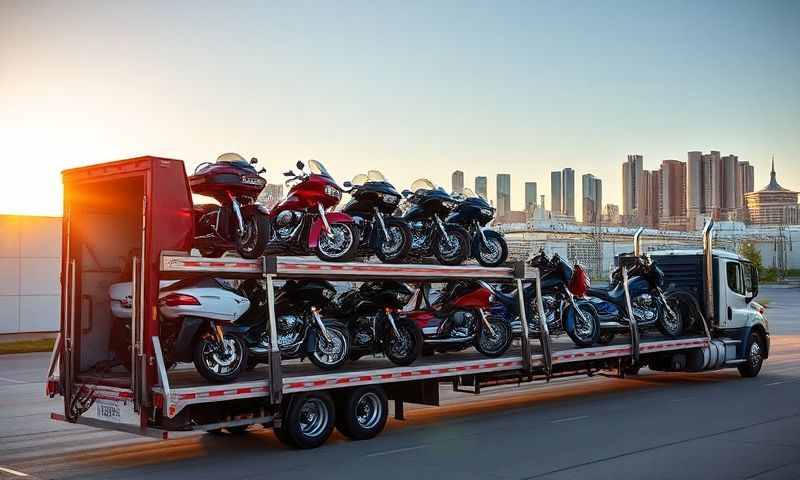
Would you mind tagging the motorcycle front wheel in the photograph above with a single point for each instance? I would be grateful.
(585, 329)
(672, 324)
(395, 248)
(405, 349)
(494, 251)
(328, 355)
(220, 363)
(452, 251)
(341, 245)
(253, 240)
(497, 344)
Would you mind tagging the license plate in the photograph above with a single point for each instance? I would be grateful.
(253, 180)
(109, 410)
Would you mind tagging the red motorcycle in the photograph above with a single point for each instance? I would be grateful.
(304, 222)
(457, 320)
(237, 222)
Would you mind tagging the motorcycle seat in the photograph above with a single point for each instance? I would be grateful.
(617, 295)
(509, 299)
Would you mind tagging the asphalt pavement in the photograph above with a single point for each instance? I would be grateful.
(654, 426)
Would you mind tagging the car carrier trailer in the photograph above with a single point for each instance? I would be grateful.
(137, 210)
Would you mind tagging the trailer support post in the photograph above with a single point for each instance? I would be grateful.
(275, 376)
(399, 411)
(631, 318)
(161, 369)
(526, 342)
(544, 332)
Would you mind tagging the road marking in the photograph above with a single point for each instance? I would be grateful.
(11, 380)
(775, 383)
(399, 450)
(570, 419)
(13, 472)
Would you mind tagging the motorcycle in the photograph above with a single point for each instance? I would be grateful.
(238, 222)
(373, 201)
(426, 206)
(473, 213)
(302, 332)
(196, 318)
(562, 287)
(651, 306)
(370, 312)
(457, 320)
(303, 222)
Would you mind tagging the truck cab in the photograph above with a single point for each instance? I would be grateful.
(725, 285)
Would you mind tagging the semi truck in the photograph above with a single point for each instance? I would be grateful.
(130, 220)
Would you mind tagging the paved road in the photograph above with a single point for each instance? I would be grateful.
(711, 425)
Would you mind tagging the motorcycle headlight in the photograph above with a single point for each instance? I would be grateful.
(487, 211)
(389, 198)
(449, 205)
(332, 191)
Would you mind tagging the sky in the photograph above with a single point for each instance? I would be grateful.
(414, 89)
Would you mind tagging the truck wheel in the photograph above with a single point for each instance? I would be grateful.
(362, 413)
(754, 358)
(309, 420)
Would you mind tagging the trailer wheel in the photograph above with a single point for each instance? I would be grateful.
(754, 358)
(362, 413)
(309, 420)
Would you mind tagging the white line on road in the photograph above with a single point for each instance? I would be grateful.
(570, 419)
(13, 472)
(399, 450)
(775, 383)
(11, 380)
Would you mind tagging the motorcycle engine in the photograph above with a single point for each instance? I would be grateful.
(645, 307)
(290, 328)
(550, 306)
(462, 324)
(419, 235)
(286, 222)
(363, 334)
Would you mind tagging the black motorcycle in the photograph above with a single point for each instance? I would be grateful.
(302, 332)
(564, 312)
(370, 313)
(371, 206)
(473, 213)
(427, 206)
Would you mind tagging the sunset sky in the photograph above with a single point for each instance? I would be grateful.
(413, 89)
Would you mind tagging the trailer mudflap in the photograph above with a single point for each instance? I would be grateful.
(423, 392)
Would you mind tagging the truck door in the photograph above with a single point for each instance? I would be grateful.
(735, 313)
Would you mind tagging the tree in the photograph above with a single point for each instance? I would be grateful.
(751, 253)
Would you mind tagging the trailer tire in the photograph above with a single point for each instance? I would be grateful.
(362, 413)
(754, 357)
(283, 436)
(309, 420)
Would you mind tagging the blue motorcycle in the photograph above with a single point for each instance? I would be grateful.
(561, 285)
(650, 306)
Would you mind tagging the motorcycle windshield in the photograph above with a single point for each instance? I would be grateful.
(468, 193)
(422, 184)
(317, 168)
(375, 176)
(234, 159)
(359, 180)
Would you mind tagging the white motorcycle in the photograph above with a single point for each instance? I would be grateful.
(196, 317)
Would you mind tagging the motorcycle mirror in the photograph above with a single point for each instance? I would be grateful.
(288, 174)
(299, 165)
(263, 170)
(253, 161)
(406, 192)
(347, 184)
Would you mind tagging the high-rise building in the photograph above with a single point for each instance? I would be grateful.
(480, 187)
(503, 194)
(530, 197)
(648, 199)
(694, 185)
(592, 195)
(631, 172)
(568, 189)
(673, 189)
(458, 181)
(555, 193)
(611, 215)
(745, 179)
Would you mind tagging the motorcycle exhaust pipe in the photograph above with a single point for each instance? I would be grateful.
(321, 325)
(451, 340)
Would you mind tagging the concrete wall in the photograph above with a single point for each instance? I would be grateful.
(30, 251)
